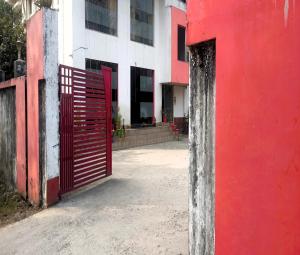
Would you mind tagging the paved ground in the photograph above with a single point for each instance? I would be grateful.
(142, 209)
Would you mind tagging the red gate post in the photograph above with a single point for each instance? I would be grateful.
(106, 72)
(42, 108)
(66, 128)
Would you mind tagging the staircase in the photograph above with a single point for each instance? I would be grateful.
(144, 136)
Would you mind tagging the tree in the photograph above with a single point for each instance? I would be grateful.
(12, 29)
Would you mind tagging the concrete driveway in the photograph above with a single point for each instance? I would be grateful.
(141, 209)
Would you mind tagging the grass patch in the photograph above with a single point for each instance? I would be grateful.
(8, 201)
(12, 206)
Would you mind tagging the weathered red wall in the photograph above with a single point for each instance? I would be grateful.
(257, 122)
(19, 83)
(21, 135)
(179, 69)
(35, 72)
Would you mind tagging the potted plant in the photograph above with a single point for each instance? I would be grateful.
(119, 130)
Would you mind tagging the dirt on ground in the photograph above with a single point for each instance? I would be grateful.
(141, 209)
(13, 207)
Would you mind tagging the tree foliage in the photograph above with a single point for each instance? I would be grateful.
(11, 30)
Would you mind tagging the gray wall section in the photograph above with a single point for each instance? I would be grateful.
(49, 103)
(8, 136)
(51, 96)
(42, 135)
(202, 150)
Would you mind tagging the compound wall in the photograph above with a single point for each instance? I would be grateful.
(257, 153)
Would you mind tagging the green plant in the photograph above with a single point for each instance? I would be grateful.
(12, 30)
(120, 133)
(119, 130)
(118, 120)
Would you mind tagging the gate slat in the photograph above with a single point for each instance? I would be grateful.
(99, 165)
(83, 158)
(89, 143)
(88, 178)
(77, 186)
(86, 174)
(82, 147)
(89, 104)
(90, 165)
(90, 149)
(85, 137)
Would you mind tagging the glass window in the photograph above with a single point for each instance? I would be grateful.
(102, 15)
(182, 49)
(95, 66)
(146, 83)
(146, 110)
(141, 96)
(142, 20)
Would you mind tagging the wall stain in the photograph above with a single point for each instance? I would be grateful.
(286, 11)
(8, 136)
(202, 150)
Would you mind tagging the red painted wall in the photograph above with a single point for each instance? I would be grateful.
(35, 71)
(257, 122)
(179, 69)
(19, 83)
(21, 136)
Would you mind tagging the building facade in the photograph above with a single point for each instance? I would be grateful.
(144, 44)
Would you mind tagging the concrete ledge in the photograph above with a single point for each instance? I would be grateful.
(143, 136)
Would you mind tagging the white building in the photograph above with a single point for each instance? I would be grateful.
(143, 41)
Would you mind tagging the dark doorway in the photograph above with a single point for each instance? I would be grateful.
(95, 66)
(167, 102)
(142, 87)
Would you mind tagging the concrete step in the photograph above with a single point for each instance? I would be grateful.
(143, 136)
(131, 144)
(149, 130)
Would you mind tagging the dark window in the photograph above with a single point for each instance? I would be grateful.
(30, 7)
(142, 20)
(141, 96)
(95, 66)
(168, 102)
(182, 49)
(102, 15)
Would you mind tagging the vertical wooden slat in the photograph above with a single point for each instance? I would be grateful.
(71, 90)
(107, 82)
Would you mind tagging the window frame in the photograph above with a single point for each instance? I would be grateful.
(186, 55)
(143, 96)
(153, 26)
(99, 31)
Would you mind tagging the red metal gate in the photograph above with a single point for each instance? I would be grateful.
(85, 127)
